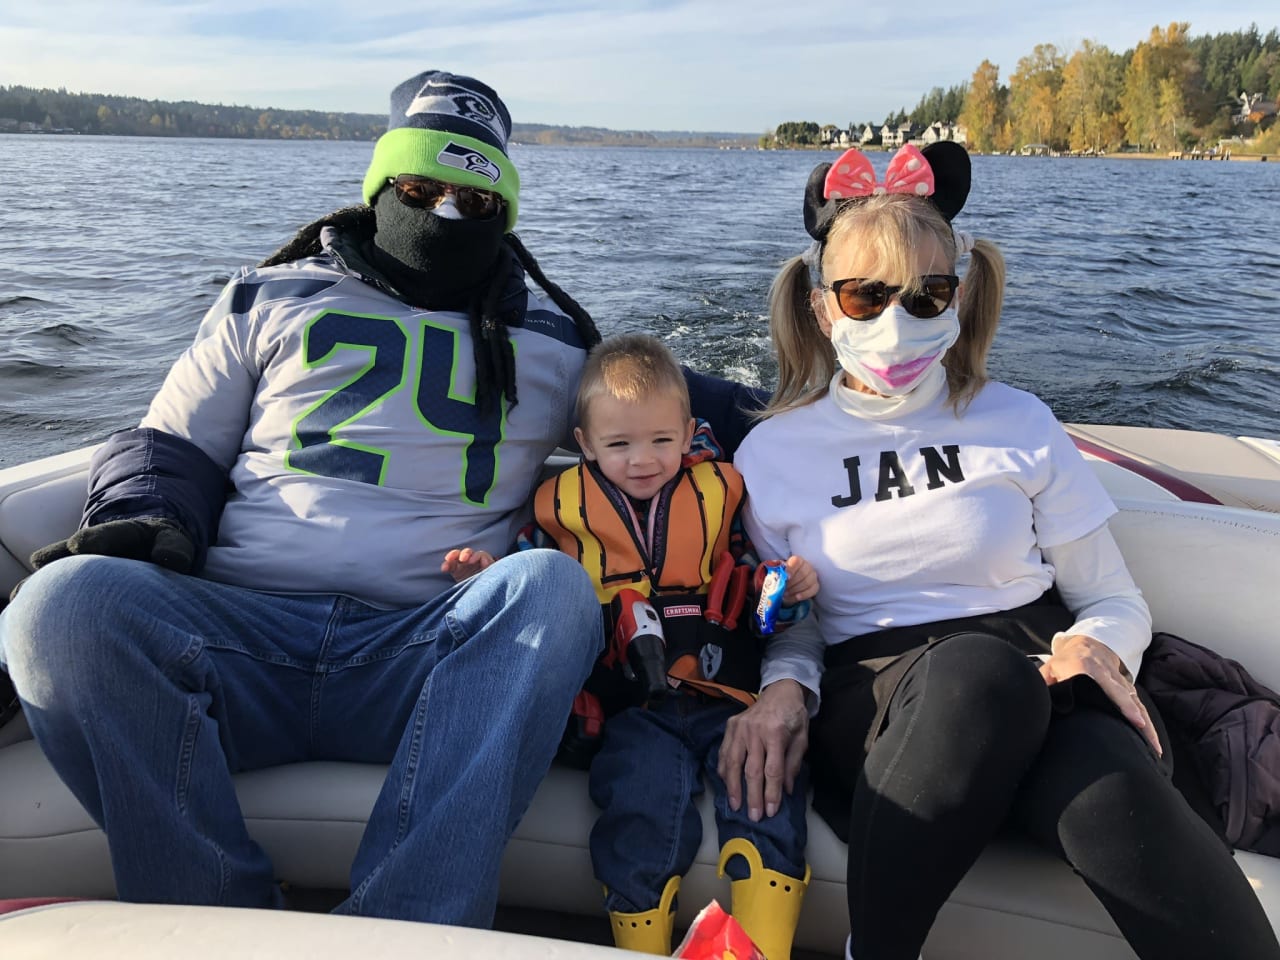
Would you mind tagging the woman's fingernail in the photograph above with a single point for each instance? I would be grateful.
(771, 808)
(754, 813)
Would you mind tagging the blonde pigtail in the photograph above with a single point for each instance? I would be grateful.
(806, 362)
(980, 306)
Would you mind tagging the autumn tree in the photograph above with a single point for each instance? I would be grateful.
(1171, 112)
(1162, 82)
(1033, 97)
(1089, 100)
(982, 114)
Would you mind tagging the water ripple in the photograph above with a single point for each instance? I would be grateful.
(1138, 292)
(20, 300)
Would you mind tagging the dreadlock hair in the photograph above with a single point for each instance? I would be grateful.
(495, 357)
(357, 219)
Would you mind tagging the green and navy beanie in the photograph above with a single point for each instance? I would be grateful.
(449, 127)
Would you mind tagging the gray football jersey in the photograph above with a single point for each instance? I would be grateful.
(346, 420)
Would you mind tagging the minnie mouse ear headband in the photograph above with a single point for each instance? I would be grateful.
(940, 171)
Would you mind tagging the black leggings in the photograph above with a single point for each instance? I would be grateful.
(971, 742)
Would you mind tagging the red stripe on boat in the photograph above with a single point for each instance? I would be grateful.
(1176, 485)
(26, 903)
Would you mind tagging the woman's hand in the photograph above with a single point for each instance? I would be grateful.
(1080, 654)
(802, 581)
(765, 745)
(464, 563)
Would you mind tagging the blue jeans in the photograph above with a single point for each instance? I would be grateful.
(147, 690)
(645, 779)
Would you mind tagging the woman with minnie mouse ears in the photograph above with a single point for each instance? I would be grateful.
(978, 633)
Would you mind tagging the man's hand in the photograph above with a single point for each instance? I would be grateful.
(765, 745)
(1078, 655)
(464, 563)
(145, 538)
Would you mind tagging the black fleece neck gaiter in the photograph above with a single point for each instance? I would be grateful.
(436, 263)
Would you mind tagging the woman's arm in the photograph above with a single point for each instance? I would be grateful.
(1096, 586)
(796, 655)
(764, 746)
(1112, 628)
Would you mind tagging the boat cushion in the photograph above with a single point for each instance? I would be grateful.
(1208, 572)
(94, 930)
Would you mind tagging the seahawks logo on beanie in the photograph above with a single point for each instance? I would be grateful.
(454, 155)
(450, 127)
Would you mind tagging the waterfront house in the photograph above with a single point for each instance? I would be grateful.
(897, 136)
(938, 130)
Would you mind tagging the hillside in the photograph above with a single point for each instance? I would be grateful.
(30, 110)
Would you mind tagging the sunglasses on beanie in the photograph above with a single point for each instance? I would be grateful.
(866, 299)
(426, 193)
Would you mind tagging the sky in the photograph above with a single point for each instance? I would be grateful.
(739, 66)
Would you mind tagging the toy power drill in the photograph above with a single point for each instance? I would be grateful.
(638, 645)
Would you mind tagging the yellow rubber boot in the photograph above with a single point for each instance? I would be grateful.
(766, 904)
(650, 930)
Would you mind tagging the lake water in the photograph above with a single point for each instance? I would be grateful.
(1140, 292)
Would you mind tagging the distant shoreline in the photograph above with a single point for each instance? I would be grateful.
(1246, 157)
(650, 144)
(1132, 155)
(636, 142)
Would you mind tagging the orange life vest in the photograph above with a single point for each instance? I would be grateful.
(592, 520)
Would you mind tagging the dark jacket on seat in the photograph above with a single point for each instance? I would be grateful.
(1231, 723)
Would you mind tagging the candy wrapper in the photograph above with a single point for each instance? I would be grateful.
(715, 935)
(772, 587)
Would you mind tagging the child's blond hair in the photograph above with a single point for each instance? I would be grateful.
(632, 367)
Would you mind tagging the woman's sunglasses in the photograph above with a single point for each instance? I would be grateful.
(866, 299)
(426, 193)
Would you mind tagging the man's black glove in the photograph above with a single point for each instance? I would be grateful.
(145, 538)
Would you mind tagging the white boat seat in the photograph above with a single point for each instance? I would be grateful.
(1208, 572)
(96, 930)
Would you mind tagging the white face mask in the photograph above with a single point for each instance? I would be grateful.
(447, 209)
(892, 353)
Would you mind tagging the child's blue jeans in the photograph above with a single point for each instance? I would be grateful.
(645, 779)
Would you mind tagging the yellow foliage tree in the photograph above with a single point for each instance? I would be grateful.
(1033, 97)
(1088, 102)
(1157, 86)
(982, 113)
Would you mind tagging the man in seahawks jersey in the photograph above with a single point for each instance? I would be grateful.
(257, 579)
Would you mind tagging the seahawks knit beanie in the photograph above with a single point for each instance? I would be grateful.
(449, 127)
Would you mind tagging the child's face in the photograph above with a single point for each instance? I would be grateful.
(637, 445)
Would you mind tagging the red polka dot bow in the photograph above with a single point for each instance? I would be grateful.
(851, 175)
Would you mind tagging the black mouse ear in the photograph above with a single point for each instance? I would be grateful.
(818, 210)
(951, 176)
